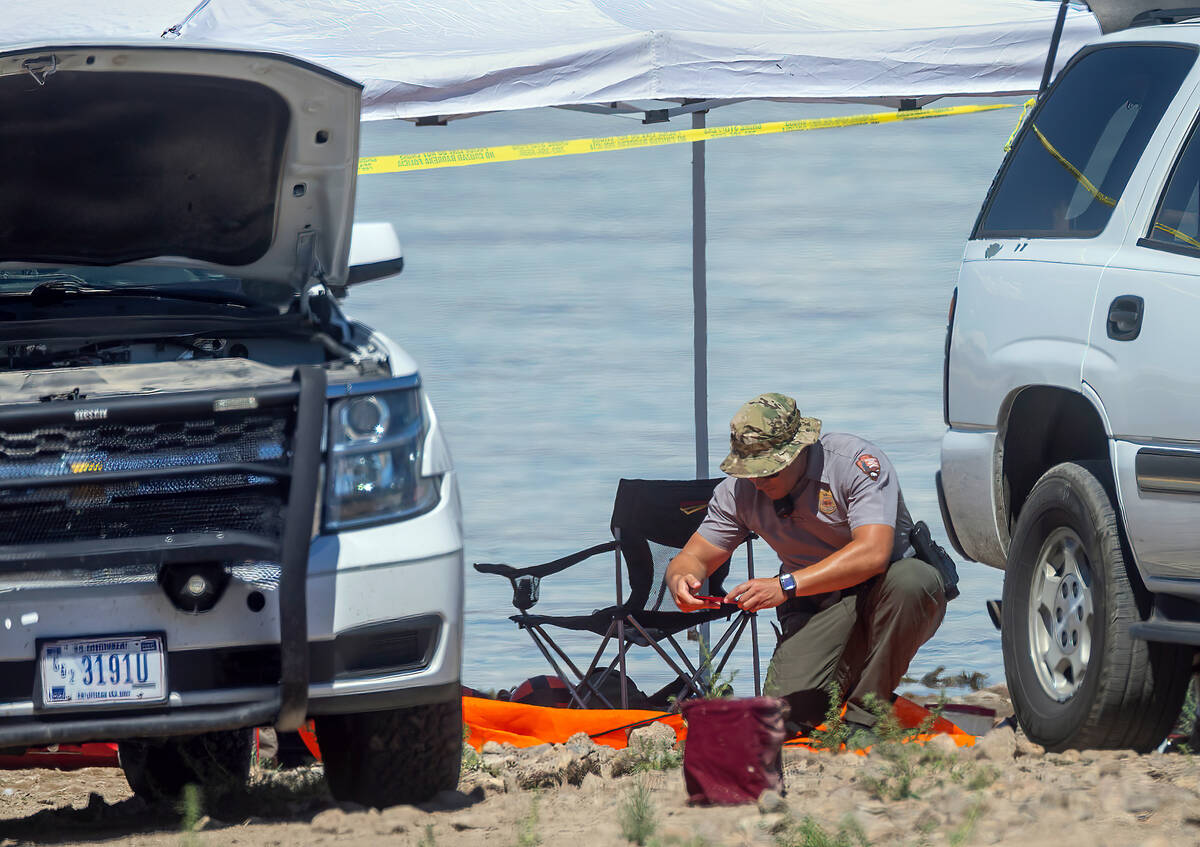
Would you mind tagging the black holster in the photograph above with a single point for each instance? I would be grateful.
(928, 550)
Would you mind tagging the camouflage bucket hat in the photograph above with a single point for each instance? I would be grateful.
(765, 436)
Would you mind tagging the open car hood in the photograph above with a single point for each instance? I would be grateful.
(230, 160)
(1117, 15)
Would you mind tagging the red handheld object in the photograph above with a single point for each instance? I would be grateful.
(707, 599)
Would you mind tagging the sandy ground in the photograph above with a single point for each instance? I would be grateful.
(1005, 790)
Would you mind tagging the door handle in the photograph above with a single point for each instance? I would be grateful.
(1125, 317)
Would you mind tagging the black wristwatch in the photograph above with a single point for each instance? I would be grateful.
(788, 583)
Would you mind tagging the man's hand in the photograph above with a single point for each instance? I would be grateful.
(686, 573)
(757, 594)
(683, 588)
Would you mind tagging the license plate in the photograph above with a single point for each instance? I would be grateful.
(127, 670)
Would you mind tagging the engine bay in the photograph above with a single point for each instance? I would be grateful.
(61, 370)
(274, 351)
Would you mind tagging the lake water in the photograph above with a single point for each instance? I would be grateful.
(549, 305)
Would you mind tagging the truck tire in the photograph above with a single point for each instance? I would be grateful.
(1077, 678)
(398, 756)
(218, 762)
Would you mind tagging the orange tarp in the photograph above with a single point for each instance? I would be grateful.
(523, 725)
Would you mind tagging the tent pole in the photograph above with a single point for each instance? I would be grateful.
(700, 330)
(699, 301)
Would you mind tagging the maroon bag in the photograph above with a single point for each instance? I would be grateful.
(734, 749)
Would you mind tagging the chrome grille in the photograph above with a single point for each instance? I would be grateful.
(78, 448)
(87, 506)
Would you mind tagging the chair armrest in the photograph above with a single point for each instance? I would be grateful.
(549, 567)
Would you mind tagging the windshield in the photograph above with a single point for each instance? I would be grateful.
(152, 281)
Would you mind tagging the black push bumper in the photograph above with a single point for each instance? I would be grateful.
(303, 403)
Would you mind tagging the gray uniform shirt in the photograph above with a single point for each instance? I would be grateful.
(848, 483)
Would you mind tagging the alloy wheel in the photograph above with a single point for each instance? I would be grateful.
(1061, 614)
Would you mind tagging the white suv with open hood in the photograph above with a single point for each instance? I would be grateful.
(223, 504)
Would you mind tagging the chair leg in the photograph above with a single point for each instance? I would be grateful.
(697, 673)
(753, 620)
(573, 689)
(737, 630)
(604, 675)
(663, 653)
(621, 623)
(754, 651)
(603, 644)
(595, 686)
(735, 633)
(583, 680)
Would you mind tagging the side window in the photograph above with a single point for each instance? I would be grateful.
(1177, 221)
(1081, 144)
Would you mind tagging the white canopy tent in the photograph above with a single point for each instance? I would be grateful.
(59, 21)
(420, 59)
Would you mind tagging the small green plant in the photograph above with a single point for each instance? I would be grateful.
(809, 833)
(835, 733)
(654, 755)
(527, 827)
(427, 839)
(713, 683)
(982, 778)
(1186, 724)
(191, 810)
(898, 778)
(471, 760)
(966, 829)
(637, 814)
(925, 828)
(888, 728)
(906, 762)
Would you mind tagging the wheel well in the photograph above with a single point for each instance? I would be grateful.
(1044, 426)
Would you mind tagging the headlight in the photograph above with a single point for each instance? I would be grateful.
(374, 474)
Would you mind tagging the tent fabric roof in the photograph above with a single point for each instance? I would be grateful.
(79, 21)
(419, 58)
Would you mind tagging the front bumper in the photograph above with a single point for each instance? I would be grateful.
(382, 633)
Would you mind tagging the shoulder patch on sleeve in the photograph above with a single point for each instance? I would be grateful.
(869, 465)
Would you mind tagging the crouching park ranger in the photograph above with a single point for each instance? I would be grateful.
(853, 602)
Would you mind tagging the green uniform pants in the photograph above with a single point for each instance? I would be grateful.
(862, 637)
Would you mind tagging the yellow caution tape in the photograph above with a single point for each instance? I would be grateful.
(577, 146)
(1071, 169)
(1182, 237)
(1025, 107)
(1091, 188)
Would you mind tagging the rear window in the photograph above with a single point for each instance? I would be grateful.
(1076, 153)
